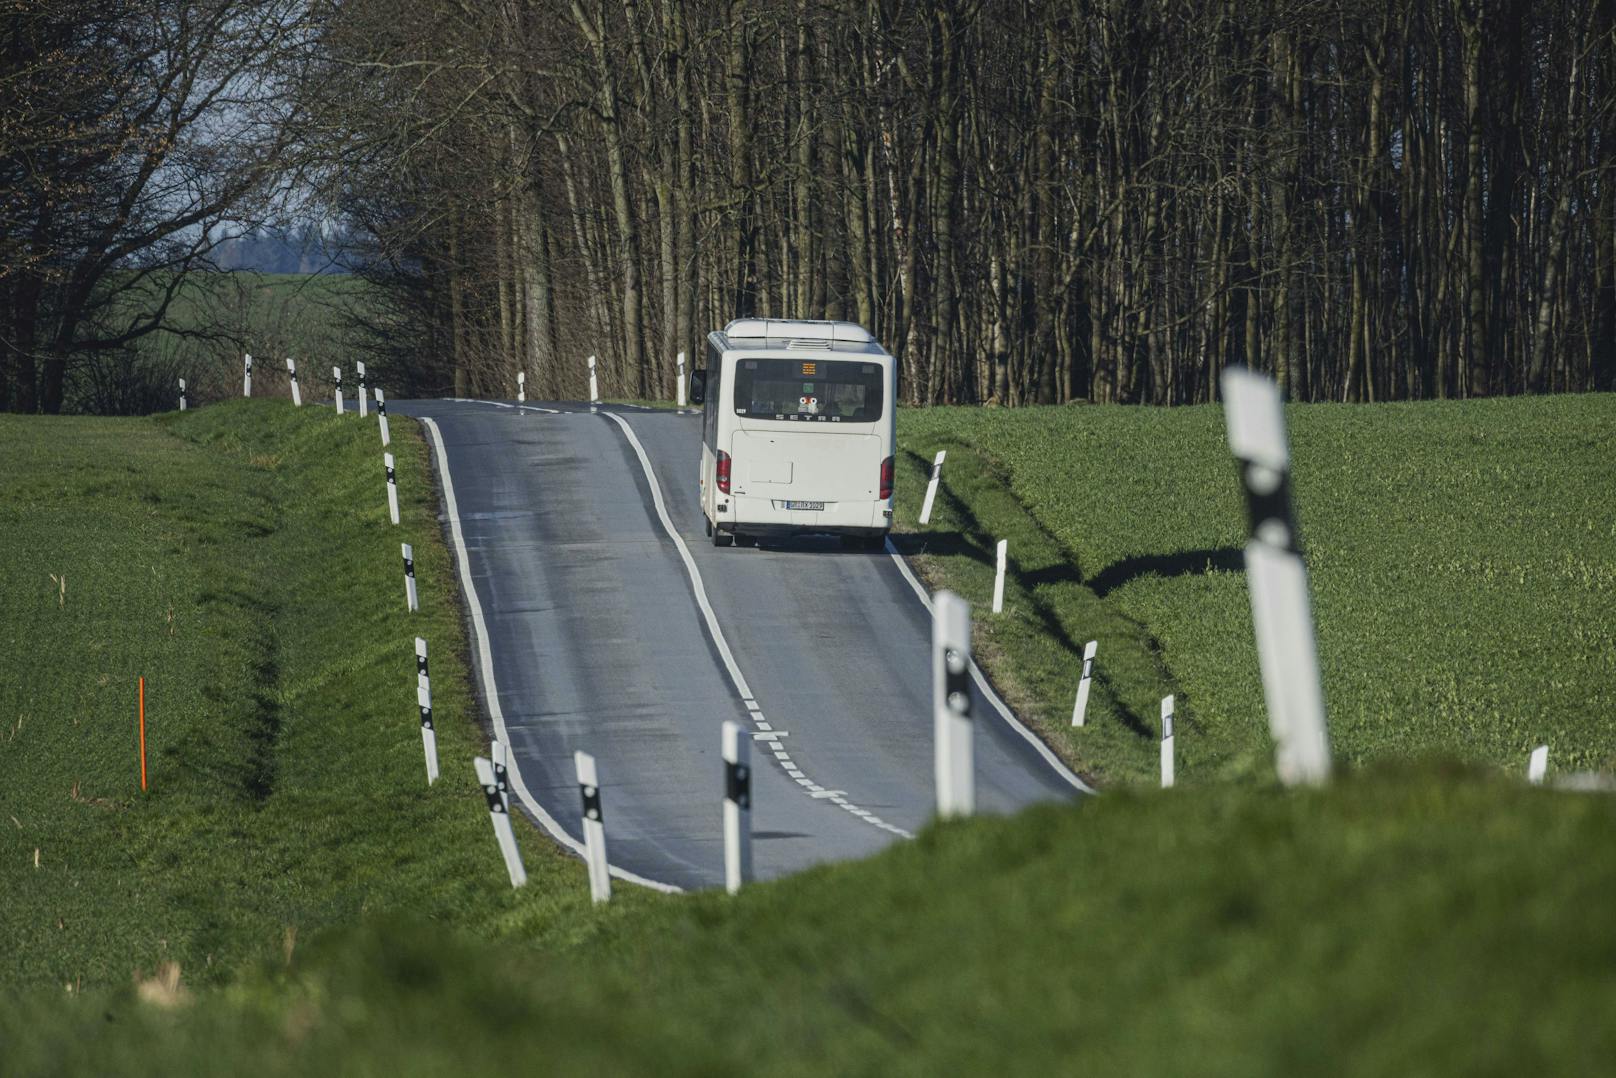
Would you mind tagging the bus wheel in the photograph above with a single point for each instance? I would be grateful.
(722, 538)
(745, 540)
(705, 520)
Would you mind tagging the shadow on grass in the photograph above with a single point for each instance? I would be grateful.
(1182, 563)
(956, 544)
(1063, 570)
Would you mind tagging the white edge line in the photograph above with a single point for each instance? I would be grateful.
(714, 631)
(992, 697)
(486, 674)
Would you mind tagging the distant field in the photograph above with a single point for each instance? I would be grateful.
(214, 318)
(1463, 559)
(240, 559)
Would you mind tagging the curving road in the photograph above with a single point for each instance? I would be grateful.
(600, 631)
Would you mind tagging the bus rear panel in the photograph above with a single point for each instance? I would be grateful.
(798, 431)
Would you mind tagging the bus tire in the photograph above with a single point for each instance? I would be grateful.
(745, 540)
(722, 538)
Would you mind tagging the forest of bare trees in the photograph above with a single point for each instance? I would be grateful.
(1027, 201)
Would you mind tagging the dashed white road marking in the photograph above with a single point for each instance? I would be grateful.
(1055, 762)
(486, 672)
(716, 633)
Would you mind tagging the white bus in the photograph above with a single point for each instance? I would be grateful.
(797, 431)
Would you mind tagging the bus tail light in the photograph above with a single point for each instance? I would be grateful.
(886, 478)
(723, 472)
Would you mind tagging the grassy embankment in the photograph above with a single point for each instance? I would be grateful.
(241, 560)
(1430, 921)
(1419, 923)
(1463, 561)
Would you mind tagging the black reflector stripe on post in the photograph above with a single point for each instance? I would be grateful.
(1268, 506)
(738, 784)
(591, 796)
(956, 683)
(496, 804)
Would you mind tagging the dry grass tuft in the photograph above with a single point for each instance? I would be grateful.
(162, 990)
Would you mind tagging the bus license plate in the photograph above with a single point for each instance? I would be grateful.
(817, 507)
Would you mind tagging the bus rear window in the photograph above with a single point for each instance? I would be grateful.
(808, 390)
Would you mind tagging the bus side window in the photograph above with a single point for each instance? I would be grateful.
(711, 390)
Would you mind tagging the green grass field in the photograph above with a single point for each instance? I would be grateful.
(1463, 562)
(1428, 918)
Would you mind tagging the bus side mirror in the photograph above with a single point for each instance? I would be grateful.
(698, 387)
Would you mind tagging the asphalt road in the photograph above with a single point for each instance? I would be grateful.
(596, 640)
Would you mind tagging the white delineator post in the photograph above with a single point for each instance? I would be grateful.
(600, 878)
(392, 487)
(1538, 765)
(246, 376)
(291, 373)
(336, 375)
(931, 486)
(1080, 709)
(1167, 763)
(521, 387)
(737, 749)
(182, 394)
(1276, 577)
(502, 821)
(998, 577)
(594, 385)
(679, 384)
(429, 734)
(381, 416)
(364, 392)
(409, 577)
(423, 699)
(951, 705)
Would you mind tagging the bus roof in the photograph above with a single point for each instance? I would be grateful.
(782, 334)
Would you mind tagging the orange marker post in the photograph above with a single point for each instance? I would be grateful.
(143, 734)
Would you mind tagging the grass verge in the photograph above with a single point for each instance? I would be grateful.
(238, 557)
